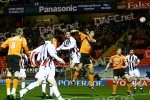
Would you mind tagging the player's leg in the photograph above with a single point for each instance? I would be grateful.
(30, 87)
(51, 91)
(127, 77)
(44, 88)
(15, 84)
(76, 73)
(23, 84)
(140, 84)
(8, 82)
(22, 76)
(9, 75)
(91, 76)
(54, 88)
(115, 80)
(39, 76)
(74, 59)
(137, 74)
(133, 83)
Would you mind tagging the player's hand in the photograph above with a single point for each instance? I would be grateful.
(58, 49)
(32, 65)
(106, 70)
(74, 31)
(62, 62)
(124, 67)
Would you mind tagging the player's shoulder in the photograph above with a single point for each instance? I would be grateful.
(72, 38)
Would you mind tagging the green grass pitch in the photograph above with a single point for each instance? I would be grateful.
(83, 93)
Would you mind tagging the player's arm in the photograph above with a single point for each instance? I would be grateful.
(72, 31)
(59, 48)
(125, 62)
(70, 46)
(137, 62)
(107, 66)
(25, 47)
(110, 62)
(5, 44)
(52, 53)
(91, 39)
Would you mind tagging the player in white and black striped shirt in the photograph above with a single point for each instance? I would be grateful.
(133, 62)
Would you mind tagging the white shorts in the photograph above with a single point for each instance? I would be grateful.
(134, 73)
(46, 72)
(22, 73)
(75, 57)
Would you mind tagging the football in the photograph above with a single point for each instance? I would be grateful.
(142, 19)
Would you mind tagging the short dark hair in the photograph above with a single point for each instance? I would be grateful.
(48, 36)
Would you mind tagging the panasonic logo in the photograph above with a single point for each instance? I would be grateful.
(57, 9)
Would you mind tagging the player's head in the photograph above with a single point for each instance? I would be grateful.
(41, 39)
(119, 51)
(67, 35)
(19, 31)
(48, 36)
(92, 33)
(131, 52)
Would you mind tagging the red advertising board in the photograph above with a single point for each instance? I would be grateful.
(145, 83)
(133, 5)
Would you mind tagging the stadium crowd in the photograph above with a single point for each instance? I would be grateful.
(104, 34)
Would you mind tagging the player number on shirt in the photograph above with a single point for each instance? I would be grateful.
(13, 45)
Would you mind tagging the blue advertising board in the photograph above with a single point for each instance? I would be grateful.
(61, 8)
(81, 82)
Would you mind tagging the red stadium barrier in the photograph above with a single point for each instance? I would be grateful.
(145, 83)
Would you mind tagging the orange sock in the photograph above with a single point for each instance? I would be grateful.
(15, 83)
(8, 81)
(114, 88)
(129, 87)
(91, 78)
(76, 73)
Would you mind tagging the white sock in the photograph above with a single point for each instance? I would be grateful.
(56, 92)
(31, 86)
(23, 85)
(13, 90)
(140, 84)
(8, 91)
(44, 86)
(133, 83)
(51, 90)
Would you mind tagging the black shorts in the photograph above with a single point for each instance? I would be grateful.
(119, 72)
(85, 59)
(13, 62)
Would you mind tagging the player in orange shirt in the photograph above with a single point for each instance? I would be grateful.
(85, 51)
(119, 64)
(14, 44)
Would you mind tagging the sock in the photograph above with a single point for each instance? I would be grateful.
(51, 90)
(133, 84)
(76, 73)
(8, 81)
(129, 86)
(23, 85)
(15, 83)
(56, 92)
(8, 91)
(44, 86)
(13, 90)
(140, 84)
(31, 86)
(91, 78)
(114, 88)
